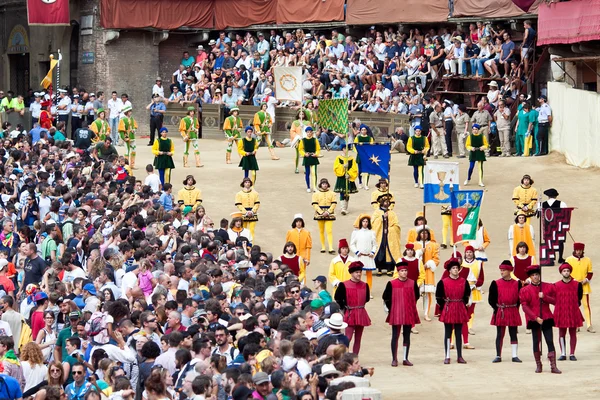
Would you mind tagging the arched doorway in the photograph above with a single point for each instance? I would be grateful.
(18, 58)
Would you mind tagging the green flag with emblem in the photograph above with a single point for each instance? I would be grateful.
(333, 114)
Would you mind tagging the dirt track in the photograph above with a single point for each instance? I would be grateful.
(283, 194)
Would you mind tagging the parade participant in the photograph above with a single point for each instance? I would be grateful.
(534, 298)
(310, 115)
(417, 146)
(189, 197)
(188, 127)
(236, 228)
(232, 126)
(420, 223)
(127, 129)
(582, 272)
(567, 315)
(363, 138)
(163, 149)
(477, 145)
(416, 270)
(100, 127)
(324, 203)
(481, 242)
(553, 204)
(429, 252)
(447, 226)
(521, 261)
(525, 197)
(363, 245)
(247, 201)
(352, 295)
(293, 261)
(400, 297)
(296, 135)
(519, 232)
(247, 147)
(382, 188)
(387, 232)
(452, 295)
(263, 123)
(301, 237)
(504, 298)
(309, 149)
(346, 169)
(338, 267)
(475, 279)
(46, 116)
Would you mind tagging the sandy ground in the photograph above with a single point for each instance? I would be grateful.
(283, 194)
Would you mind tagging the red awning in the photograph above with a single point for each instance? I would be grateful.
(241, 13)
(372, 12)
(569, 22)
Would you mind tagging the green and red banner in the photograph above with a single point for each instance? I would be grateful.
(466, 205)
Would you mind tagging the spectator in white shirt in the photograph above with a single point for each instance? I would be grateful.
(125, 103)
(179, 77)
(152, 179)
(455, 57)
(158, 88)
(373, 106)
(114, 110)
(381, 93)
(336, 49)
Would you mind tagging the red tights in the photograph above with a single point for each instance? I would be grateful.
(357, 332)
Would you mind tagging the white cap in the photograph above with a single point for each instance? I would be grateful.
(70, 155)
(200, 47)
(308, 36)
(298, 216)
(12, 177)
(335, 82)
(268, 91)
(62, 91)
(3, 263)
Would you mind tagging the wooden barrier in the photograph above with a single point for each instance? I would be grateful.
(15, 118)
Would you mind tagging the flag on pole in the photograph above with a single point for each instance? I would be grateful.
(440, 180)
(555, 225)
(465, 213)
(48, 12)
(375, 158)
(288, 83)
(47, 81)
(333, 114)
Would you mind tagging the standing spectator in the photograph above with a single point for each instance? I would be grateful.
(461, 121)
(158, 88)
(437, 132)
(502, 118)
(10, 361)
(114, 109)
(36, 108)
(544, 124)
(527, 46)
(157, 110)
(482, 118)
(63, 107)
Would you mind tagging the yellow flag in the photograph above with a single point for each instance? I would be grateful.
(47, 81)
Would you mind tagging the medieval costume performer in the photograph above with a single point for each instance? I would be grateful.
(263, 124)
(301, 237)
(346, 170)
(417, 146)
(363, 245)
(567, 315)
(309, 150)
(429, 253)
(163, 149)
(582, 272)
(248, 202)
(387, 231)
(324, 203)
(247, 147)
(232, 126)
(521, 231)
(100, 127)
(338, 267)
(293, 261)
(419, 224)
(382, 188)
(127, 128)
(521, 261)
(481, 242)
(525, 197)
(188, 127)
(363, 137)
(477, 145)
(189, 197)
(236, 229)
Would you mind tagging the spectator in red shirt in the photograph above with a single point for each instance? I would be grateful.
(37, 316)
(9, 286)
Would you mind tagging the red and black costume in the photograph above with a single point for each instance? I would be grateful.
(521, 267)
(504, 298)
(567, 315)
(400, 298)
(535, 307)
(452, 295)
(352, 297)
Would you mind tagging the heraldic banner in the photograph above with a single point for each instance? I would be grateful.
(288, 83)
(555, 225)
(466, 205)
(440, 180)
(48, 12)
(333, 114)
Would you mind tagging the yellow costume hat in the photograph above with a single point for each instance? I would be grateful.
(236, 214)
(359, 219)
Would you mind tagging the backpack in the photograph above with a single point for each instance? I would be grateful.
(96, 328)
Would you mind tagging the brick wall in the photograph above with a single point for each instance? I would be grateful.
(170, 53)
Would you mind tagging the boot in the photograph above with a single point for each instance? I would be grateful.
(185, 161)
(198, 165)
(132, 162)
(273, 156)
(344, 207)
(228, 157)
(552, 359)
(538, 362)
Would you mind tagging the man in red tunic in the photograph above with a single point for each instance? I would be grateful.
(535, 300)
(452, 295)
(400, 297)
(352, 295)
(567, 314)
(504, 298)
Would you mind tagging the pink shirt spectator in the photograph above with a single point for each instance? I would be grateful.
(145, 279)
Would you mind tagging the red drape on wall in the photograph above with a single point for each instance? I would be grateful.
(524, 5)
(159, 14)
(569, 22)
(486, 8)
(241, 13)
(368, 12)
(294, 11)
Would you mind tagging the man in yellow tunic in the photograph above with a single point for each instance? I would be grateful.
(189, 198)
(525, 197)
(521, 231)
(247, 201)
(382, 188)
(338, 268)
(301, 237)
(345, 169)
(582, 272)
(100, 127)
(387, 233)
(419, 224)
(232, 126)
(324, 203)
(127, 129)
(188, 127)
(263, 124)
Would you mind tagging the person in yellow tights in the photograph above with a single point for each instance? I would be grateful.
(360, 139)
(324, 202)
(127, 129)
(309, 149)
(525, 197)
(447, 226)
(417, 146)
(582, 272)
(189, 197)
(188, 128)
(429, 252)
(232, 126)
(263, 125)
(297, 134)
(345, 168)
(248, 202)
(475, 279)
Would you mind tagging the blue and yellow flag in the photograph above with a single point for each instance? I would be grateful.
(374, 158)
(333, 114)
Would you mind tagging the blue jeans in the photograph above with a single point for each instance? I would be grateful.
(472, 64)
(480, 66)
(337, 143)
(114, 130)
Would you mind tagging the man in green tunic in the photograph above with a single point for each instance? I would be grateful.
(417, 146)
(163, 149)
(476, 145)
(247, 150)
(263, 123)
(309, 149)
(127, 129)
(188, 127)
(232, 126)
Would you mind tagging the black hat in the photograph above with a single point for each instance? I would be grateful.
(551, 193)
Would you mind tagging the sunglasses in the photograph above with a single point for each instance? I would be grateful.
(151, 320)
(54, 371)
(77, 372)
(239, 314)
(295, 292)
